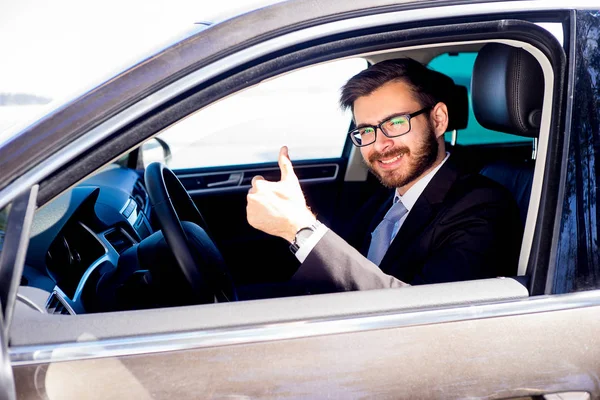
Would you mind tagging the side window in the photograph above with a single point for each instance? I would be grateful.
(459, 66)
(299, 109)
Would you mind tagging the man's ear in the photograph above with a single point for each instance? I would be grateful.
(439, 119)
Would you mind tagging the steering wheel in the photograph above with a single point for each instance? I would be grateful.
(196, 254)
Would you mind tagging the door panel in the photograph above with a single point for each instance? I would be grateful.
(497, 358)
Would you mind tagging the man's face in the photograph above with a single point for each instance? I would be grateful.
(398, 161)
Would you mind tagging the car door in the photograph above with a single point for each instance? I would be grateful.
(479, 339)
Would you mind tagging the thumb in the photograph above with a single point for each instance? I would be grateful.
(285, 165)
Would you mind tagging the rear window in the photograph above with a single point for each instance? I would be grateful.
(459, 66)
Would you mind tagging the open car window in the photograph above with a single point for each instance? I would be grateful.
(110, 212)
(299, 109)
(459, 66)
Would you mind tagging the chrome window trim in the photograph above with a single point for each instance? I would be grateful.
(159, 343)
(100, 132)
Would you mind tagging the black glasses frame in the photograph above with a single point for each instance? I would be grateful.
(380, 127)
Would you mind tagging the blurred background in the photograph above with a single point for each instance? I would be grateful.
(55, 50)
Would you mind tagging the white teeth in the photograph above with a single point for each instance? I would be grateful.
(391, 160)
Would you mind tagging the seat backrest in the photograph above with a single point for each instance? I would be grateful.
(507, 89)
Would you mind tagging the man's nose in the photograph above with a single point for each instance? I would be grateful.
(382, 142)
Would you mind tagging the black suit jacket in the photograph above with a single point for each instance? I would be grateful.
(462, 227)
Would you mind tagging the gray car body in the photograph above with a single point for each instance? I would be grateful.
(480, 339)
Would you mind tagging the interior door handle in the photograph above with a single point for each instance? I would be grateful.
(233, 180)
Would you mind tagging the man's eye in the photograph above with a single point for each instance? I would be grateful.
(367, 131)
(397, 121)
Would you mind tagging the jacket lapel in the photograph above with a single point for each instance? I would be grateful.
(420, 216)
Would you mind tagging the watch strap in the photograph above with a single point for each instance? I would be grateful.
(302, 235)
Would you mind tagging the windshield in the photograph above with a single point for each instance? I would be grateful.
(53, 52)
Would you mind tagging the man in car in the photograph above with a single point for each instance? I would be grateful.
(437, 224)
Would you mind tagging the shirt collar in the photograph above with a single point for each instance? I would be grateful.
(412, 195)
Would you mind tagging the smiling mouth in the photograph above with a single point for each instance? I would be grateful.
(391, 160)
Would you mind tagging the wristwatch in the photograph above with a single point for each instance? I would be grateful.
(302, 236)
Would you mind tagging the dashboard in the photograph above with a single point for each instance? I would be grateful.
(79, 237)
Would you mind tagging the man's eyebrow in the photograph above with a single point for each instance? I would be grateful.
(397, 114)
(360, 126)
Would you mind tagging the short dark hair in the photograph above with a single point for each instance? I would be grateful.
(429, 87)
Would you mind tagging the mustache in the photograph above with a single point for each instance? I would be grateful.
(397, 151)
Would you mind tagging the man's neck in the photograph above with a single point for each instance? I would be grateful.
(403, 189)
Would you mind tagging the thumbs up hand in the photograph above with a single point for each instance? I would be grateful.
(279, 208)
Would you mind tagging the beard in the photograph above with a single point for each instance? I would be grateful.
(419, 161)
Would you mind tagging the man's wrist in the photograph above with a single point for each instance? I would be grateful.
(303, 235)
(309, 244)
(307, 221)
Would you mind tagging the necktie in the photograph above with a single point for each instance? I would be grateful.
(382, 235)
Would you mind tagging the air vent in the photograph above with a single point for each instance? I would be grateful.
(119, 240)
(55, 305)
(140, 196)
(71, 254)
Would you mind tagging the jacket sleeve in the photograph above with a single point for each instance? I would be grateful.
(335, 266)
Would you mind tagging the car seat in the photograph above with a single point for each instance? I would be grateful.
(507, 88)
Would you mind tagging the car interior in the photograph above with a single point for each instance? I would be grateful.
(100, 247)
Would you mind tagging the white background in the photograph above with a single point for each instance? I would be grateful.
(57, 49)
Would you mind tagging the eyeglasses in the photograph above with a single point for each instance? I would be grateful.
(395, 126)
